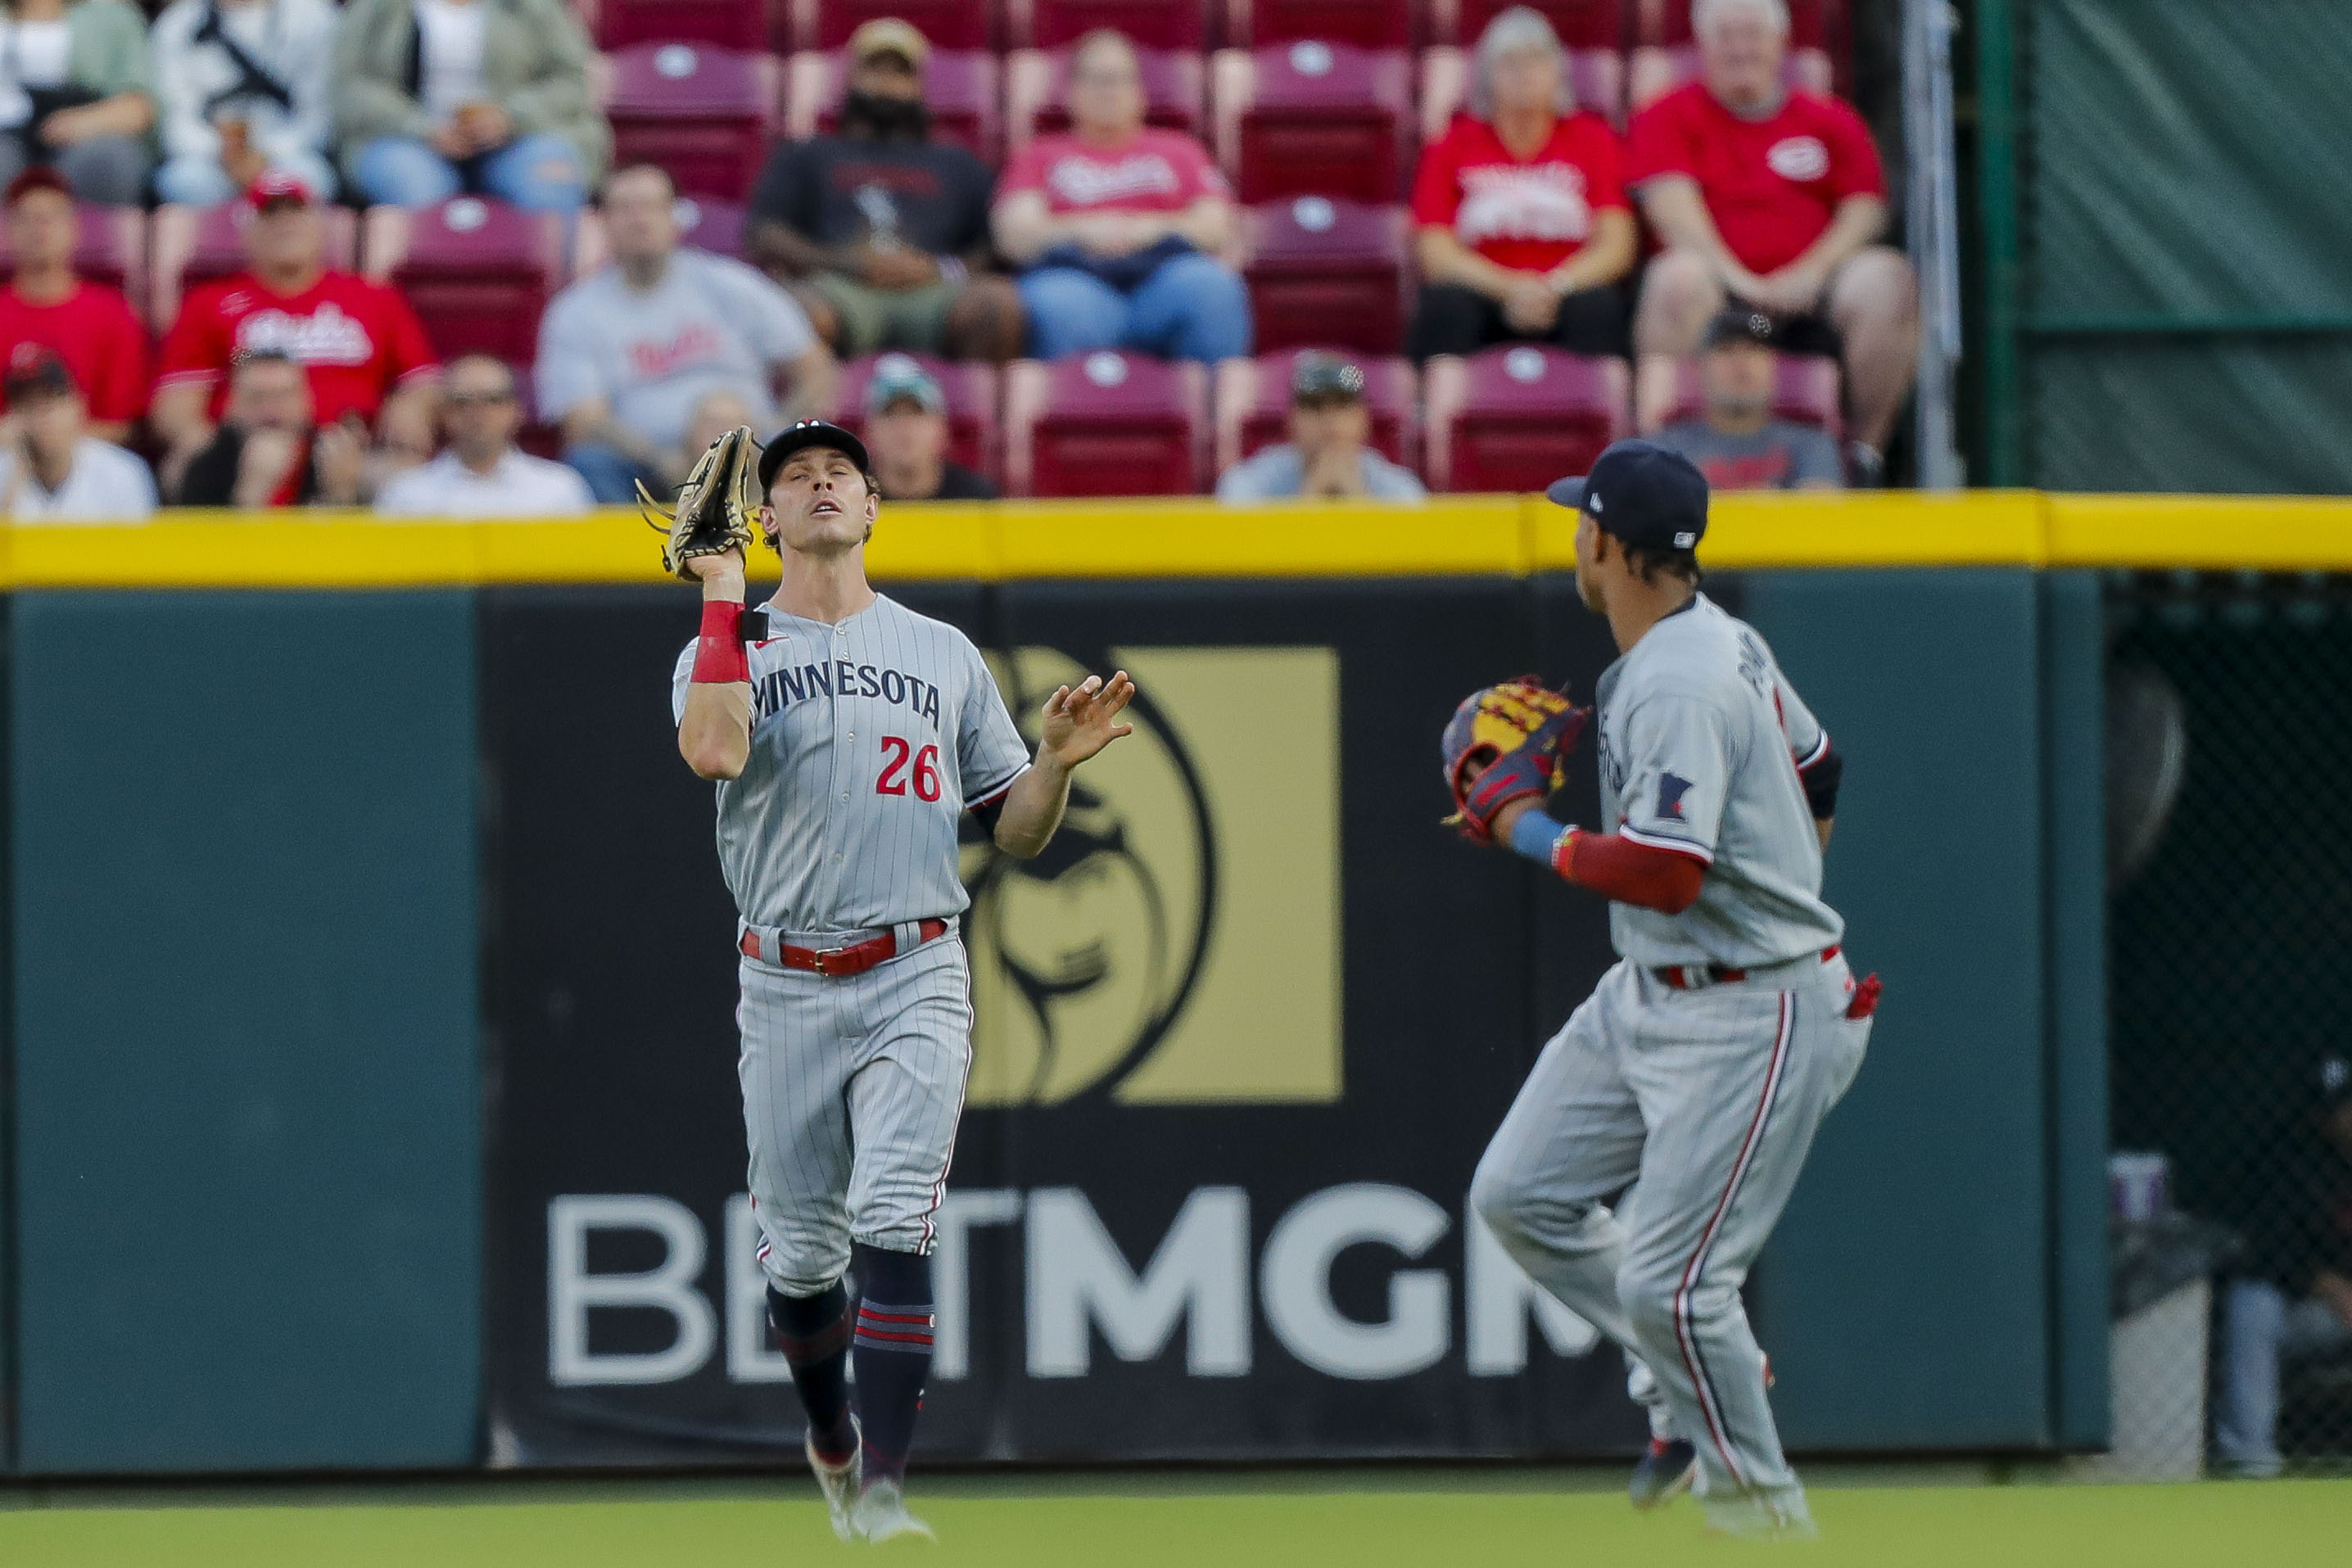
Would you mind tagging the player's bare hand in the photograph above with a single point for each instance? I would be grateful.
(1081, 720)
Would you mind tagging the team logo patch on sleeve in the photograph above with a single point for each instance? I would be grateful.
(1671, 787)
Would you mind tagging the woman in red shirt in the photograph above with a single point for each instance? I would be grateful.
(1524, 232)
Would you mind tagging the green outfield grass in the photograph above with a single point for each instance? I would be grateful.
(1295, 1521)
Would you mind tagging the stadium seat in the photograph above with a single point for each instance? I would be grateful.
(195, 245)
(1581, 24)
(1806, 390)
(1367, 23)
(1651, 72)
(112, 251)
(1315, 119)
(1152, 24)
(479, 273)
(827, 24)
(725, 24)
(1105, 423)
(1327, 272)
(1037, 88)
(1518, 418)
(1595, 76)
(959, 85)
(704, 114)
(1666, 57)
(1253, 407)
(973, 438)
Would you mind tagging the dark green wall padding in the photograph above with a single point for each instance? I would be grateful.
(248, 1060)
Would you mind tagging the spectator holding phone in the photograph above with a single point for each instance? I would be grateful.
(76, 93)
(243, 89)
(268, 452)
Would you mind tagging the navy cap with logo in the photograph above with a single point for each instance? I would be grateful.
(1640, 492)
(806, 433)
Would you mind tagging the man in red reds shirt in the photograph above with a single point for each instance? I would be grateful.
(364, 348)
(1523, 230)
(1774, 198)
(88, 324)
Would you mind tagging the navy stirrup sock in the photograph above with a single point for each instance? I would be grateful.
(893, 1351)
(812, 1332)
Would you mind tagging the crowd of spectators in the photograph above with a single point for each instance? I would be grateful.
(295, 381)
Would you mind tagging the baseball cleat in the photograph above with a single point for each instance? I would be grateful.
(882, 1515)
(1664, 1474)
(838, 1482)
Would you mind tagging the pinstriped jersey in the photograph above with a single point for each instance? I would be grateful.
(869, 739)
(1701, 740)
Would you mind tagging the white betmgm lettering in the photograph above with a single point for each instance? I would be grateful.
(668, 1287)
(1497, 1296)
(1294, 1282)
(1079, 1277)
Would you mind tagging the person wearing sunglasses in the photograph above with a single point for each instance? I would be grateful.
(481, 473)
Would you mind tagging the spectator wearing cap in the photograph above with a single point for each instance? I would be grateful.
(243, 88)
(88, 324)
(2292, 1298)
(365, 350)
(481, 474)
(1524, 232)
(1328, 453)
(76, 93)
(1119, 225)
(628, 353)
(269, 450)
(906, 433)
(1773, 198)
(435, 99)
(882, 232)
(52, 469)
(1737, 442)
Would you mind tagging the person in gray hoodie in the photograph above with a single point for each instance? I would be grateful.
(243, 89)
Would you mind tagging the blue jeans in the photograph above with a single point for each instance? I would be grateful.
(539, 174)
(612, 477)
(1191, 308)
(2261, 1327)
(191, 181)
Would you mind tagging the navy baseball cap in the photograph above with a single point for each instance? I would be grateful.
(1642, 494)
(809, 433)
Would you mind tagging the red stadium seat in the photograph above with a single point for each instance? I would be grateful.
(1655, 72)
(1328, 272)
(959, 85)
(727, 23)
(1037, 88)
(1518, 418)
(1106, 422)
(973, 438)
(1152, 24)
(704, 114)
(1806, 390)
(113, 250)
(827, 24)
(1596, 79)
(1367, 23)
(1253, 407)
(1581, 24)
(195, 245)
(479, 273)
(1315, 119)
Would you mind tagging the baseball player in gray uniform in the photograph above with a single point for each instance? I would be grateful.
(848, 736)
(1700, 1067)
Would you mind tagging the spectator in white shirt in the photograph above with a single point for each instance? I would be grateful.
(51, 469)
(243, 89)
(481, 475)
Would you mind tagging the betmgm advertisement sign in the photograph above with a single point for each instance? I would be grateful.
(1205, 1203)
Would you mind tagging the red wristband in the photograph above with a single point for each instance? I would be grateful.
(718, 656)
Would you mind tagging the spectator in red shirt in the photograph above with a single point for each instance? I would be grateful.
(1119, 225)
(363, 348)
(1774, 198)
(1523, 227)
(90, 325)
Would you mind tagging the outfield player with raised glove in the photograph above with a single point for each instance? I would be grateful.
(848, 736)
(1698, 1071)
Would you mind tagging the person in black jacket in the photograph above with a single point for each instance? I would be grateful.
(267, 452)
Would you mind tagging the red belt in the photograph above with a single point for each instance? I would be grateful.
(839, 963)
(1690, 977)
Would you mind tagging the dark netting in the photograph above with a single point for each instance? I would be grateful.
(2230, 851)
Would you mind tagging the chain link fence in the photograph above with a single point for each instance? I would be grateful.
(2229, 746)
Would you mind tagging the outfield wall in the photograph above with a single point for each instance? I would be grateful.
(362, 919)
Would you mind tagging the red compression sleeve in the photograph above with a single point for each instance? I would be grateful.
(718, 656)
(1619, 868)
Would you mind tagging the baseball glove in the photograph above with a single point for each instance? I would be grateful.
(1521, 732)
(715, 505)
